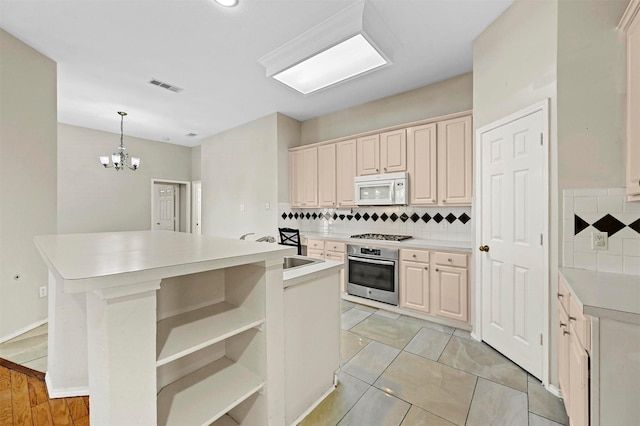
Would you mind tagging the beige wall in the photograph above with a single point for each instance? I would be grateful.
(591, 94)
(288, 137)
(239, 167)
(94, 199)
(446, 97)
(196, 160)
(27, 179)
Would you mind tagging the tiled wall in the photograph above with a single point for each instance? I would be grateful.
(434, 223)
(605, 210)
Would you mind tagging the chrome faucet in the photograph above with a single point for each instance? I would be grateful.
(246, 235)
(268, 239)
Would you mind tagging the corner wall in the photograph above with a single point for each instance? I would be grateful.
(28, 106)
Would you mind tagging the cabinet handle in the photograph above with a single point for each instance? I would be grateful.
(444, 201)
(449, 259)
(437, 270)
(572, 318)
(426, 268)
(564, 333)
(560, 295)
(376, 170)
(385, 169)
(562, 325)
(412, 255)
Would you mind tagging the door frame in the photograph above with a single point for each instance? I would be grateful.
(194, 185)
(187, 194)
(477, 207)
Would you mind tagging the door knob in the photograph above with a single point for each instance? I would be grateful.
(484, 248)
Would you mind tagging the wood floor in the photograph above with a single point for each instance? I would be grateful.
(24, 400)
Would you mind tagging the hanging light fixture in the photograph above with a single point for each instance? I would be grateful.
(120, 159)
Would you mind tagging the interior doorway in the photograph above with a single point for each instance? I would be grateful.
(170, 205)
(197, 207)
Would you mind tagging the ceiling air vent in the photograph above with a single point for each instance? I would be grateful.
(191, 134)
(167, 86)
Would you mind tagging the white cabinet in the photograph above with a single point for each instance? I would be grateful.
(368, 155)
(303, 167)
(346, 170)
(454, 161)
(414, 280)
(331, 250)
(630, 23)
(327, 175)
(382, 153)
(422, 164)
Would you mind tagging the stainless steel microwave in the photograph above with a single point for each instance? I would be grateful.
(382, 190)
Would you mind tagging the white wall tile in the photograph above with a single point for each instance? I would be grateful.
(585, 205)
(614, 247)
(632, 207)
(582, 244)
(585, 261)
(567, 255)
(567, 229)
(631, 247)
(631, 265)
(568, 207)
(590, 192)
(609, 263)
(567, 193)
(610, 204)
(616, 191)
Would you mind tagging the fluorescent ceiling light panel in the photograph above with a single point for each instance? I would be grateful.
(338, 63)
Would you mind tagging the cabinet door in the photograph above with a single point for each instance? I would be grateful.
(338, 257)
(633, 109)
(421, 164)
(563, 355)
(345, 173)
(414, 286)
(309, 174)
(393, 151)
(327, 175)
(295, 178)
(368, 155)
(454, 161)
(578, 382)
(450, 292)
(315, 253)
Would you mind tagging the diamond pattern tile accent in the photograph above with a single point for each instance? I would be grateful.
(415, 217)
(349, 217)
(308, 215)
(384, 217)
(451, 218)
(579, 224)
(609, 224)
(464, 218)
(335, 216)
(284, 215)
(393, 217)
(404, 217)
(314, 215)
(296, 215)
(374, 217)
(366, 216)
(341, 217)
(357, 216)
(438, 218)
(426, 217)
(635, 226)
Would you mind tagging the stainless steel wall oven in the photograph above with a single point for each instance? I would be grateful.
(372, 272)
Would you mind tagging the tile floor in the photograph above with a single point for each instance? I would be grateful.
(399, 370)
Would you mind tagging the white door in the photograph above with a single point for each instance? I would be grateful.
(197, 204)
(512, 220)
(164, 207)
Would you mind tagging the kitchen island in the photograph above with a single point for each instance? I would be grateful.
(167, 328)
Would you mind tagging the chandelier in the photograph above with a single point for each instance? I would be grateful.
(120, 158)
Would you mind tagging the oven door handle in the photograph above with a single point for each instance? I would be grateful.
(376, 262)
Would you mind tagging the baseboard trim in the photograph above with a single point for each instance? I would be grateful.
(314, 405)
(64, 393)
(23, 330)
(554, 390)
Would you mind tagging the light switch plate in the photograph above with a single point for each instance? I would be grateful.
(599, 241)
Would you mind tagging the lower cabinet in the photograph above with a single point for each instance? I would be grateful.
(331, 250)
(435, 283)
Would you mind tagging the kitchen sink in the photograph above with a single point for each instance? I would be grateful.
(291, 262)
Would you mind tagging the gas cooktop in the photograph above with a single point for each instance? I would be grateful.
(386, 237)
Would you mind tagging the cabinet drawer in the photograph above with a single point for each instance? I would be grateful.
(580, 324)
(315, 244)
(414, 255)
(450, 259)
(563, 295)
(334, 246)
(316, 254)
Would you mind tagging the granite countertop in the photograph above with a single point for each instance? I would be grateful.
(605, 294)
(411, 243)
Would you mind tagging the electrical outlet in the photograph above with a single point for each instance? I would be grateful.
(599, 241)
(43, 291)
(267, 206)
(241, 207)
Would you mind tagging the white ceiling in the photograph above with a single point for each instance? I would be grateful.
(108, 50)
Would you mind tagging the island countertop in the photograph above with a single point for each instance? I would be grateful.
(96, 260)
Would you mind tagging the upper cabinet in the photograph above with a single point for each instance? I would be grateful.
(303, 167)
(630, 23)
(345, 173)
(454, 161)
(382, 153)
(327, 175)
(422, 164)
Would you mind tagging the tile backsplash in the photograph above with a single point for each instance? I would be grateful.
(604, 210)
(435, 223)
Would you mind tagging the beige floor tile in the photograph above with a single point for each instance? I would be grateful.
(387, 314)
(376, 408)
(462, 333)
(496, 404)
(345, 305)
(39, 364)
(24, 349)
(338, 403)
(370, 362)
(428, 343)
(441, 390)
(546, 404)
(419, 417)
(427, 324)
(351, 344)
(353, 317)
(535, 420)
(365, 308)
(390, 332)
(480, 359)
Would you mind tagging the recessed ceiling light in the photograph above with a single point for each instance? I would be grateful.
(348, 59)
(227, 3)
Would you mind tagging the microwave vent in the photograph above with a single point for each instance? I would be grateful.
(167, 86)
